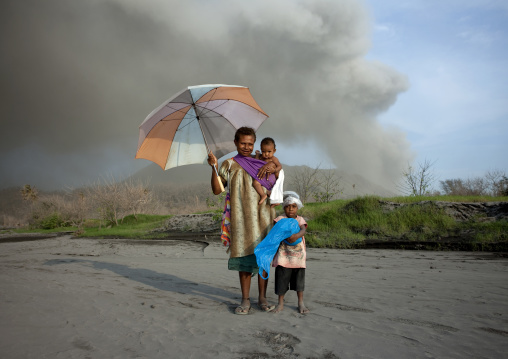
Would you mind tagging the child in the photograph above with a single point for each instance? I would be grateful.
(266, 155)
(289, 262)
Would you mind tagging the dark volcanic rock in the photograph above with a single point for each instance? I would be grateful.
(461, 211)
(203, 223)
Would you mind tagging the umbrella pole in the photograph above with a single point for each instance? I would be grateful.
(207, 148)
(222, 189)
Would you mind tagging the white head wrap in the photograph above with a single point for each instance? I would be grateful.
(291, 197)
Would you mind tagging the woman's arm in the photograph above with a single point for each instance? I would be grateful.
(216, 187)
(266, 170)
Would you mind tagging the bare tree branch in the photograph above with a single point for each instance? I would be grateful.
(305, 181)
(418, 180)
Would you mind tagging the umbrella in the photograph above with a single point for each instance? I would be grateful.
(195, 121)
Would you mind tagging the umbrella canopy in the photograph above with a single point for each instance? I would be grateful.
(195, 121)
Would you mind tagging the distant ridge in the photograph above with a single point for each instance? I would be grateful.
(197, 174)
(189, 174)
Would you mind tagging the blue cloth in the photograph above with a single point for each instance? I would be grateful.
(267, 248)
(294, 243)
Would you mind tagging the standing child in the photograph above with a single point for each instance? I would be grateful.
(266, 155)
(289, 262)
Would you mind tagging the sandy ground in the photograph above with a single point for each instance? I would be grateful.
(85, 298)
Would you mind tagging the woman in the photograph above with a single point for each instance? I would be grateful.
(250, 222)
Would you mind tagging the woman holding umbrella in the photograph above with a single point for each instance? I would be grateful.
(250, 222)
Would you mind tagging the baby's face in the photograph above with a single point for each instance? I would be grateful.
(267, 151)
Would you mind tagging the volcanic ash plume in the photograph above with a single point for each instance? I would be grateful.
(80, 76)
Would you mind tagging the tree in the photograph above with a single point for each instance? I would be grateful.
(108, 200)
(504, 185)
(453, 187)
(305, 181)
(492, 183)
(476, 186)
(78, 208)
(138, 198)
(496, 180)
(30, 196)
(418, 180)
(329, 186)
(30, 193)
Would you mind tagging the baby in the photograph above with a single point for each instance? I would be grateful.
(266, 155)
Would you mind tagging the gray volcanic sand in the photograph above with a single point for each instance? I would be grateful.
(86, 298)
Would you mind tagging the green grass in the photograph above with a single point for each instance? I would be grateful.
(414, 199)
(129, 227)
(348, 224)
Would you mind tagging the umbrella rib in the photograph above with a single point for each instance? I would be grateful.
(226, 101)
(211, 109)
(218, 115)
(211, 98)
(176, 109)
(185, 113)
(199, 124)
(182, 127)
(176, 119)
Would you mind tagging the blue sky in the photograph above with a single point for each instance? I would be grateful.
(455, 54)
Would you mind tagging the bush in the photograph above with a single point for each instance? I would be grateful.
(365, 218)
(51, 222)
(422, 219)
(363, 205)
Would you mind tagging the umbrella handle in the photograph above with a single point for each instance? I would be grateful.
(218, 179)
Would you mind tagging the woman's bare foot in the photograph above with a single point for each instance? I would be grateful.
(263, 304)
(244, 307)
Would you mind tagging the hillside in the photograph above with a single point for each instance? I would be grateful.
(200, 174)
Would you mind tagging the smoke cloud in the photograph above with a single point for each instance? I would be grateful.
(80, 76)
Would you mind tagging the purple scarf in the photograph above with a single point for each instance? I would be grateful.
(252, 166)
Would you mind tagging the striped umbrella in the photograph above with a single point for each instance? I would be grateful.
(197, 120)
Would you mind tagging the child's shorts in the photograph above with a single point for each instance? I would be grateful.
(289, 278)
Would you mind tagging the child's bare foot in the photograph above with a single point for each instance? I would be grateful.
(274, 205)
(263, 198)
(278, 308)
(302, 309)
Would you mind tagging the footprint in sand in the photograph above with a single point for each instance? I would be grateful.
(281, 343)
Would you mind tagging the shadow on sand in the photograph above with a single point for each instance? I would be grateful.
(161, 281)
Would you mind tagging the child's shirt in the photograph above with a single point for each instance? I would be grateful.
(291, 256)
